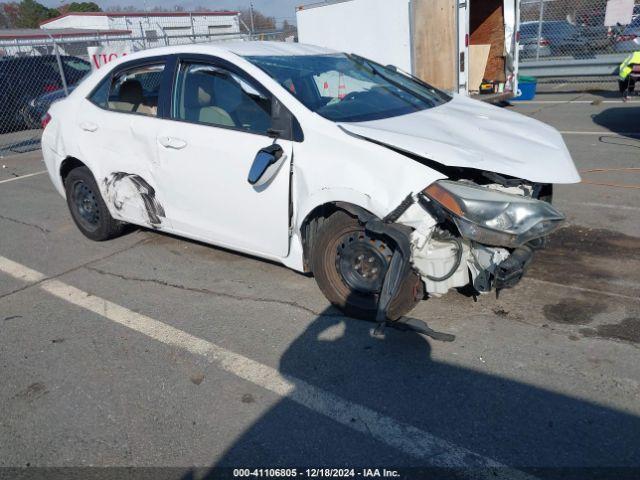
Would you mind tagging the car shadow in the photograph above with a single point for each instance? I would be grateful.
(623, 121)
(522, 426)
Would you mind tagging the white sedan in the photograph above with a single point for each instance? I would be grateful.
(384, 188)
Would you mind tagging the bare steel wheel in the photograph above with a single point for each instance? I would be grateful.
(363, 261)
(349, 266)
(87, 207)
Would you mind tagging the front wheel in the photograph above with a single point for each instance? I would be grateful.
(350, 265)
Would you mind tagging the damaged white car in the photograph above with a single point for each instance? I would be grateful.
(384, 188)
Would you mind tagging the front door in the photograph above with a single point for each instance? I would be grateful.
(219, 122)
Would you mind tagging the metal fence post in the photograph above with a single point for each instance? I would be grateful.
(59, 60)
(253, 27)
(540, 29)
(144, 39)
(193, 30)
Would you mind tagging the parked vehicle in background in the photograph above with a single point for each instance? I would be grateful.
(385, 188)
(563, 38)
(530, 47)
(23, 79)
(627, 41)
(36, 109)
(598, 36)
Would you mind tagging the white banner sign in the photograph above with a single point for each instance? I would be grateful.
(619, 12)
(100, 56)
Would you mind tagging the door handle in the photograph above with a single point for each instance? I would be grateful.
(173, 143)
(88, 126)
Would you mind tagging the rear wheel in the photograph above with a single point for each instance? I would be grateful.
(88, 210)
(350, 265)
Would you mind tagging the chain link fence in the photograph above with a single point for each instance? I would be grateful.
(566, 45)
(35, 72)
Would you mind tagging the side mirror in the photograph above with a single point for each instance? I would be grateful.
(265, 165)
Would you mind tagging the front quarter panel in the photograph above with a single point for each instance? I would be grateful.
(331, 166)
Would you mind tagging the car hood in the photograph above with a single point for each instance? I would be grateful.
(473, 134)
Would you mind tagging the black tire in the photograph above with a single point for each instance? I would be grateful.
(88, 210)
(326, 267)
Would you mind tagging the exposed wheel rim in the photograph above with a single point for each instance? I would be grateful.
(86, 205)
(362, 262)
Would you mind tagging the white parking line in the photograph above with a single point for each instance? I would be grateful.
(609, 134)
(19, 271)
(23, 176)
(603, 205)
(585, 290)
(406, 438)
(555, 102)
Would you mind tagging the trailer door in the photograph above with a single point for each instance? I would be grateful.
(463, 46)
(511, 42)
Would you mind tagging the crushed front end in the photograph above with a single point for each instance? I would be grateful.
(474, 235)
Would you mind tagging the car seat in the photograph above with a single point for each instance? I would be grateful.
(199, 105)
(131, 99)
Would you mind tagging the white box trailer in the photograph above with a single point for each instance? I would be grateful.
(451, 44)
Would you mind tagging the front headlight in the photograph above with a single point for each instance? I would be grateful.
(493, 217)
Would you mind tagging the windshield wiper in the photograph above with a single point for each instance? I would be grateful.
(376, 71)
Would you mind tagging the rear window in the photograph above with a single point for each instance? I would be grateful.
(131, 91)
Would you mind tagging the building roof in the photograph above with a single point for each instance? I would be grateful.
(33, 33)
(143, 14)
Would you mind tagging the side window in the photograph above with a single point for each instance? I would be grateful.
(100, 95)
(132, 91)
(215, 96)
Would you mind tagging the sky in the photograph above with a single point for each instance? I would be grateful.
(281, 9)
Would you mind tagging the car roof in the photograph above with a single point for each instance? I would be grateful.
(274, 48)
(243, 49)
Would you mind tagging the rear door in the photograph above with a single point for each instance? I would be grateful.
(117, 132)
(220, 120)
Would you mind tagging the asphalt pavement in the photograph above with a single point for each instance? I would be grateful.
(155, 351)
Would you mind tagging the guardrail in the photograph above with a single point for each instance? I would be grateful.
(600, 65)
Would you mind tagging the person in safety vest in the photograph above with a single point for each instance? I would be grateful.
(626, 80)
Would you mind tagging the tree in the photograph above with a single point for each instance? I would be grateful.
(260, 21)
(289, 28)
(31, 13)
(80, 7)
(8, 15)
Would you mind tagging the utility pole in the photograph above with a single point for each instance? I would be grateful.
(253, 27)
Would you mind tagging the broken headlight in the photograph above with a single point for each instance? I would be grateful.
(492, 217)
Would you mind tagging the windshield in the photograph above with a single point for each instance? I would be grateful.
(349, 88)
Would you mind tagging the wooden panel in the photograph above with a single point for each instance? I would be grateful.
(435, 42)
(478, 56)
(486, 23)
